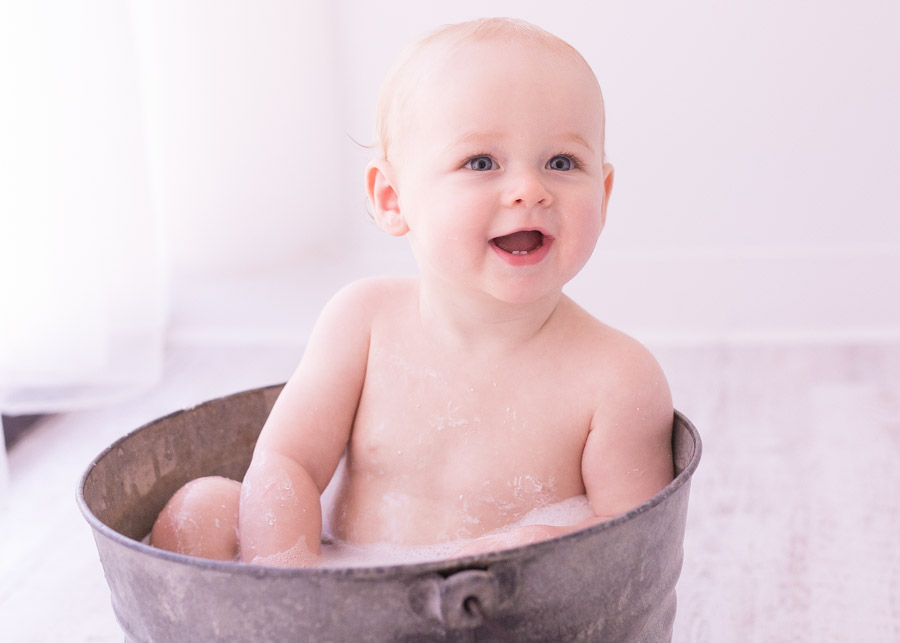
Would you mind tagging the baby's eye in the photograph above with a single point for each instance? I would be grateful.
(561, 163)
(480, 163)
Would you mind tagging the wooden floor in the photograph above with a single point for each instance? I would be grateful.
(793, 530)
(794, 525)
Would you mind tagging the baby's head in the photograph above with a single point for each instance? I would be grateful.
(492, 159)
(424, 58)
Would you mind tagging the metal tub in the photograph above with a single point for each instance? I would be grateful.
(614, 581)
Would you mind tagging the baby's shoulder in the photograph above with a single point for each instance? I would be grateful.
(614, 362)
(375, 289)
(372, 298)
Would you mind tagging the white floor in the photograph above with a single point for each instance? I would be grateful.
(793, 531)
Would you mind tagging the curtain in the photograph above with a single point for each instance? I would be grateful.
(83, 293)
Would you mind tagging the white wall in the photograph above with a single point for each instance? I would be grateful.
(754, 144)
(82, 298)
(241, 105)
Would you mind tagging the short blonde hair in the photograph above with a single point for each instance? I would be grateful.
(402, 79)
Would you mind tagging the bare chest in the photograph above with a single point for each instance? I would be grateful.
(473, 445)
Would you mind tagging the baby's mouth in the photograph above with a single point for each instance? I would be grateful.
(523, 242)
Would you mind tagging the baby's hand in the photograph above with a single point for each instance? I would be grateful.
(509, 539)
(297, 556)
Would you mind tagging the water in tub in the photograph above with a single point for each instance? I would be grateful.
(337, 554)
(340, 554)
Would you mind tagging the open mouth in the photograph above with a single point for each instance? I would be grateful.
(523, 242)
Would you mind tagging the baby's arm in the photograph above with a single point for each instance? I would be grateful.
(627, 457)
(303, 439)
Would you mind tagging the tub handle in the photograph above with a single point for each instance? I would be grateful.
(467, 597)
(463, 600)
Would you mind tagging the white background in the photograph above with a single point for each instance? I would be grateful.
(193, 169)
(756, 149)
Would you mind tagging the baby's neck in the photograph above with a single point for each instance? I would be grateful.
(475, 321)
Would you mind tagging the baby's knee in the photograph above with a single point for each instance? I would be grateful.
(201, 519)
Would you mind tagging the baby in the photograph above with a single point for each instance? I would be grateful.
(476, 392)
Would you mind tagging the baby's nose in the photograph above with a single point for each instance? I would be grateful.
(527, 189)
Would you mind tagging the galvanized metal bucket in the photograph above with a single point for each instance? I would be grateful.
(611, 582)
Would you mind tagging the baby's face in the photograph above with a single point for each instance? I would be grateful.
(499, 169)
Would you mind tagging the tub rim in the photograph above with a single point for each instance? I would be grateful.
(441, 566)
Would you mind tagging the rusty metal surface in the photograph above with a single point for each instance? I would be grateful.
(612, 582)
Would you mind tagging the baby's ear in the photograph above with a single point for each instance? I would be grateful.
(608, 175)
(384, 198)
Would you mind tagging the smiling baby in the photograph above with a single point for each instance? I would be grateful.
(476, 392)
